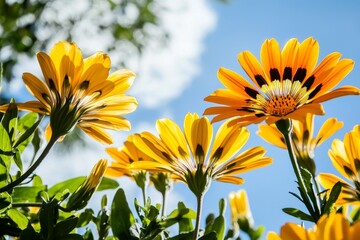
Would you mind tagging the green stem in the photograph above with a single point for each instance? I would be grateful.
(199, 199)
(19, 180)
(285, 127)
(318, 199)
(143, 190)
(164, 195)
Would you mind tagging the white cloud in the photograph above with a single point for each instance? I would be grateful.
(165, 71)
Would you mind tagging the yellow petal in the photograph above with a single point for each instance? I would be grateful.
(228, 141)
(198, 134)
(172, 136)
(330, 126)
(270, 134)
(273, 236)
(253, 68)
(123, 80)
(68, 61)
(38, 89)
(98, 134)
(271, 59)
(294, 232)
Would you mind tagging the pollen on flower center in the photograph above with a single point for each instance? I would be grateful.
(280, 105)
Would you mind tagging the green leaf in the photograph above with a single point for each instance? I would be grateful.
(48, 214)
(28, 194)
(121, 217)
(183, 216)
(85, 217)
(64, 227)
(209, 236)
(334, 194)
(19, 218)
(70, 184)
(29, 234)
(9, 121)
(219, 223)
(17, 160)
(26, 130)
(73, 236)
(5, 201)
(107, 183)
(5, 148)
(298, 214)
(183, 236)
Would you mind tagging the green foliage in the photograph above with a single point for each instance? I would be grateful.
(121, 225)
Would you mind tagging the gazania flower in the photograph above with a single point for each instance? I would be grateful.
(83, 193)
(287, 84)
(302, 137)
(79, 92)
(187, 155)
(240, 209)
(123, 165)
(345, 156)
(334, 226)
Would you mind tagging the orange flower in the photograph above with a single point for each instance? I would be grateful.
(287, 84)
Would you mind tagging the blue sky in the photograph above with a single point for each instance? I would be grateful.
(207, 35)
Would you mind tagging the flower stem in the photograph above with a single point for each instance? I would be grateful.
(164, 195)
(143, 190)
(285, 127)
(19, 180)
(199, 199)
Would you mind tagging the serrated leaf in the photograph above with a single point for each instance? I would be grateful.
(107, 183)
(298, 214)
(19, 218)
(334, 194)
(121, 217)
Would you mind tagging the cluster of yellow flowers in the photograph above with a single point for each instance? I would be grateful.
(287, 91)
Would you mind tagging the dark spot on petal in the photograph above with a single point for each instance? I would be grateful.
(66, 82)
(300, 74)
(84, 85)
(259, 114)
(309, 82)
(46, 97)
(217, 153)
(251, 92)
(246, 109)
(52, 84)
(274, 74)
(287, 73)
(315, 91)
(260, 80)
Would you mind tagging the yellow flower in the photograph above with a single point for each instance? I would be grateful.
(332, 227)
(302, 136)
(345, 156)
(79, 92)
(83, 193)
(240, 210)
(123, 165)
(187, 155)
(287, 84)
